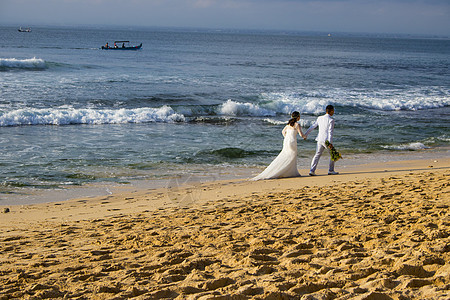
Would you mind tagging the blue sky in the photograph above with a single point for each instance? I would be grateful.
(375, 16)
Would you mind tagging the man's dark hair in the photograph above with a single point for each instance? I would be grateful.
(330, 108)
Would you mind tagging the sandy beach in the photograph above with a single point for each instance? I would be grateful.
(379, 231)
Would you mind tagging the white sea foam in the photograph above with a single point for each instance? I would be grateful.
(273, 105)
(411, 146)
(60, 116)
(313, 102)
(274, 122)
(30, 63)
(302, 122)
(232, 108)
(442, 138)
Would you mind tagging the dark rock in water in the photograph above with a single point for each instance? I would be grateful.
(6, 210)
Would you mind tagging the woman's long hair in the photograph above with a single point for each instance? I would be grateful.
(294, 116)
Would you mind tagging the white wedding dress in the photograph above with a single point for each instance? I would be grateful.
(285, 164)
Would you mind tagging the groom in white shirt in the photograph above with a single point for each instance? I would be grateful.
(326, 127)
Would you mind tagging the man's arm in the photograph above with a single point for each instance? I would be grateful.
(313, 126)
(330, 131)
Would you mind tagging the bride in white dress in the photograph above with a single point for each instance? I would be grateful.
(285, 164)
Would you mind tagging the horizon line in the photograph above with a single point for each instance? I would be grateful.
(232, 30)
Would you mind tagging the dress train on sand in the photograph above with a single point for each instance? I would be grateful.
(285, 164)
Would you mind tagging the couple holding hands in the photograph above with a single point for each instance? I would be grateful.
(285, 164)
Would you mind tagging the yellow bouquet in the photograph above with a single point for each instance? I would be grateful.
(335, 155)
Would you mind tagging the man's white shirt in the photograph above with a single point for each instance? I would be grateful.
(326, 127)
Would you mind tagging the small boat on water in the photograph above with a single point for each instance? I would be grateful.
(24, 29)
(121, 45)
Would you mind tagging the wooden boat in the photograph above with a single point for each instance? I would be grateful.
(125, 46)
(24, 29)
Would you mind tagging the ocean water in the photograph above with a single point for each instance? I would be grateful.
(205, 102)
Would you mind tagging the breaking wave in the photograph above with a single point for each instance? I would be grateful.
(30, 116)
(303, 122)
(314, 102)
(272, 104)
(269, 106)
(232, 108)
(27, 64)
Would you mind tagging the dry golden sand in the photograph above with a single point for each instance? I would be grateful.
(367, 235)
